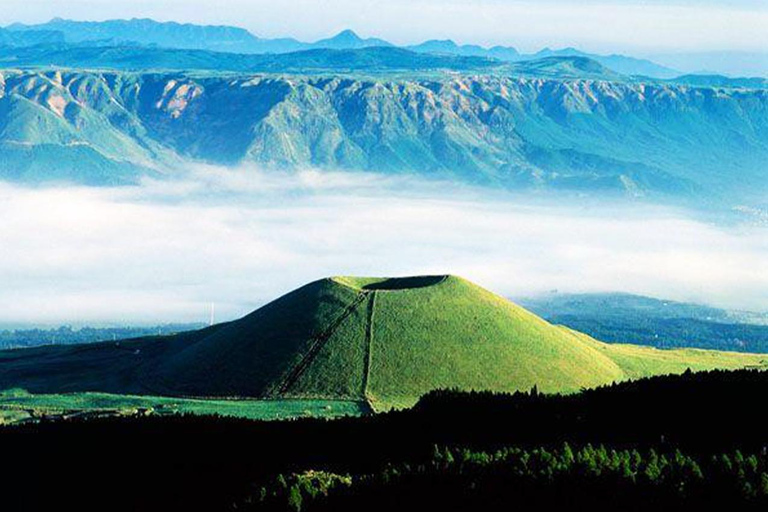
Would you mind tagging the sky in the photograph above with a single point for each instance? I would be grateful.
(164, 251)
(640, 27)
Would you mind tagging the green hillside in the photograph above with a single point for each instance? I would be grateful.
(383, 340)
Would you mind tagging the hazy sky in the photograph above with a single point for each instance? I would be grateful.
(624, 25)
(163, 251)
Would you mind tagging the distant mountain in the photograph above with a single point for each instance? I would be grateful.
(626, 318)
(722, 81)
(449, 47)
(619, 305)
(140, 58)
(150, 32)
(348, 40)
(565, 67)
(531, 127)
(368, 58)
(237, 40)
(12, 38)
(730, 63)
(147, 32)
(618, 63)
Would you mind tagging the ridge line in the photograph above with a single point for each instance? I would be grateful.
(368, 345)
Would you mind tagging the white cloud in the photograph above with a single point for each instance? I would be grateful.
(163, 251)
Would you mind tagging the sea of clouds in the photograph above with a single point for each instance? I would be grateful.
(165, 250)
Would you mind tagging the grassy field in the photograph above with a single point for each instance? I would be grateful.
(18, 405)
(382, 340)
(641, 361)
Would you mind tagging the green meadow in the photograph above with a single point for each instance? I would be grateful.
(18, 406)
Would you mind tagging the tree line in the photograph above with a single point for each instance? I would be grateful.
(584, 478)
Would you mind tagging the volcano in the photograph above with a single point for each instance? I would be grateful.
(385, 341)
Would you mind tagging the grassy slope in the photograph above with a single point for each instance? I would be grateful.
(459, 334)
(109, 367)
(385, 340)
(249, 357)
(338, 368)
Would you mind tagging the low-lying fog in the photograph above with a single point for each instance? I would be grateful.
(165, 250)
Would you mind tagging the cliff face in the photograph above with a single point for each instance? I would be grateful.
(502, 131)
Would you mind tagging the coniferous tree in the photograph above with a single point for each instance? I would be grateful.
(764, 485)
(294, 499)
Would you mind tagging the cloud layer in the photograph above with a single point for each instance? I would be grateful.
(165, 250)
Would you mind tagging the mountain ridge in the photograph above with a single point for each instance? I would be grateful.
(623, 317)
(238, 40)
(374, 59)
(514, 132)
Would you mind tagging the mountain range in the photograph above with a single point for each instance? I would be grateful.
(317, 61)
(557, 123)
(146, 32)
(108, 102)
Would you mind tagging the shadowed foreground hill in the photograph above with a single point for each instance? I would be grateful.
(385, 341)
